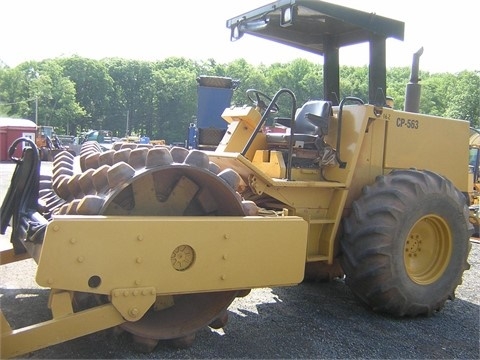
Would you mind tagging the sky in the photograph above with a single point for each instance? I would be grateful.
(156, 29)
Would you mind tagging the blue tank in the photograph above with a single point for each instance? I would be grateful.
(214, 95)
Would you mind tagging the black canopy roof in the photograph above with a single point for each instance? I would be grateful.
(322, 28)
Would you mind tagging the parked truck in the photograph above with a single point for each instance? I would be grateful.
(159, 241)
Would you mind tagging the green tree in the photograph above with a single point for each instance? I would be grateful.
(57, 96)
(249, 77)
(158, 99)
(49, 94)
(14, 97)
(464, 99)
(354, 82)
(397, 79)
(300, 76)
(94, 91)
(176, 100)
(133, 94)
(434, 93)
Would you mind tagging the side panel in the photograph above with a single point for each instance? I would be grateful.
(355, 119)
(428, 142)
(174, 255)
(370, 160)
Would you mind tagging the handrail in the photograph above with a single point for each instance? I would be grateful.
(264, 119)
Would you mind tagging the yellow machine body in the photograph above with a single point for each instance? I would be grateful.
(162, 239)
(374, 141)
(161, 257)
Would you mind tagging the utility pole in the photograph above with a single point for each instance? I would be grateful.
(126, 130)
(36, 110)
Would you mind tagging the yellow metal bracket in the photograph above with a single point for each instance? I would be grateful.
(256, 184)
(133, 303)
(60, 302)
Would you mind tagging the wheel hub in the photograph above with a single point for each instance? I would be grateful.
(428, 249)
(182, 257)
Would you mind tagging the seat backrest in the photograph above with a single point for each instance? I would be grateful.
(313, 117)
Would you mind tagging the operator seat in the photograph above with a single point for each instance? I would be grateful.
(311, 125)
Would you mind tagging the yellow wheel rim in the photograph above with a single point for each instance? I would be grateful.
(428, 249)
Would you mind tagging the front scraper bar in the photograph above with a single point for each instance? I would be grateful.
(65, 325)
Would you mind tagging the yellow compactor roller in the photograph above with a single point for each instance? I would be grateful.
(160, 240)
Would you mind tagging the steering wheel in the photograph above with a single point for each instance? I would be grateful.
(257, 98)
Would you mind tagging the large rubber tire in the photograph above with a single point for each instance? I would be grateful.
(406, 243)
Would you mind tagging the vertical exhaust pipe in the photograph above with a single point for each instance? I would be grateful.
(413, 89)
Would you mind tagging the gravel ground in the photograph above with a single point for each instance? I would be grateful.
(311, 320)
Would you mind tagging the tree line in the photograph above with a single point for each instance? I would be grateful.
(159, 99)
